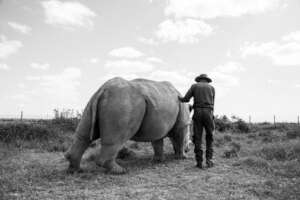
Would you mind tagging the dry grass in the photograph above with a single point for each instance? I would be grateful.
(35, 169)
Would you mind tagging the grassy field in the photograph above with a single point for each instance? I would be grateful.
(261, 164)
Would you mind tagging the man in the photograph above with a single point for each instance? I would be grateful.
(204, 97)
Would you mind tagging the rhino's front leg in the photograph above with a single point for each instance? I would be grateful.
(178, 146)
(181, 154)
(75, 152)
(158, 147)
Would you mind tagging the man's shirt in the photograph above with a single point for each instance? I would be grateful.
(203, 93)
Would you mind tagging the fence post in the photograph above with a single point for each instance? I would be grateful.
(21, 118)
(274, 118)
(249, 119)
(298, 121)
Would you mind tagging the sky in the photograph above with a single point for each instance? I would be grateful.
(57, 53)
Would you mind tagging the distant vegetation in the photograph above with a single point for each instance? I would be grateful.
(235, 124)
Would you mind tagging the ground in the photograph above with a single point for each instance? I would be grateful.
(33, 173)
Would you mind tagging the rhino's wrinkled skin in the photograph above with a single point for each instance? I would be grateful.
(139, 110)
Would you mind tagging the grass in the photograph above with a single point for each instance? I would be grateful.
(262, 164)
(273, 153)
(280, 151)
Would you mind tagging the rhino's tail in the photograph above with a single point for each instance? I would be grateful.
(94, 111)
(89, 123)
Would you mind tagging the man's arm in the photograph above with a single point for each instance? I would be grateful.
(214, 94)
(187, 96)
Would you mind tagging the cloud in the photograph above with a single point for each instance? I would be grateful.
(148, 41)
(94, 60)
(22, 28)
(41, 66)
(293, 36)
(58, 89)
(224, 80)
(126, 52)
(184, 23)
(68, 14)
(225, 76)
(154, 60)
(274, 81)
(183, 31)
(131, 69)
(219, 8)
(179, 79)
(21, 85)
(33, 78)
(128, 68)
(230, 67)
(4, 66)
(142, 66)
(283, 53)
(22, 97)
(8, 47)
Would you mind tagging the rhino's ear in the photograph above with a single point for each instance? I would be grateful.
(190, 107)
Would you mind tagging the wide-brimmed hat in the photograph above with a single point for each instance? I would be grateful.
(204, 77)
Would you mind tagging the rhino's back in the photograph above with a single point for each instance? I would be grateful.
(162, 108)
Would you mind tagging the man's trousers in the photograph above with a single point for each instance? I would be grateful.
(203, 118)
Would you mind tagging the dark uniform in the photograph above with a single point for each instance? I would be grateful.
(204, 97)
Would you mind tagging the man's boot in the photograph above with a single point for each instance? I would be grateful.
(209, 163)
(199, 165)
(199, 158)
(209, 155)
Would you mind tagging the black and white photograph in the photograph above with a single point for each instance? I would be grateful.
(150, 99)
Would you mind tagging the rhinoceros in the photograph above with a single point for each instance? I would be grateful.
(139, 110)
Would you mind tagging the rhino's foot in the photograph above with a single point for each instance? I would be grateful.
(113, 168)
(99, 162)
(126, 153)
(68, 156)
(74, 166)
(180, 156)
(72, 170)
(158, 159)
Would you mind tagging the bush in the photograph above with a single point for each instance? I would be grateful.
(289, 169)
(65, 124)
(292, 134)
(227, 138)
(25, 132)
(255, 163)
(252, 135)
(265, 133)
(272, 152)
(241, 126)
(41, 135)
(221, 139)
(232, 151)
(236, 146)
(222, 123)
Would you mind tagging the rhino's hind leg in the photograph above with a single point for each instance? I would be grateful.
(158, 147)
(108, 158)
